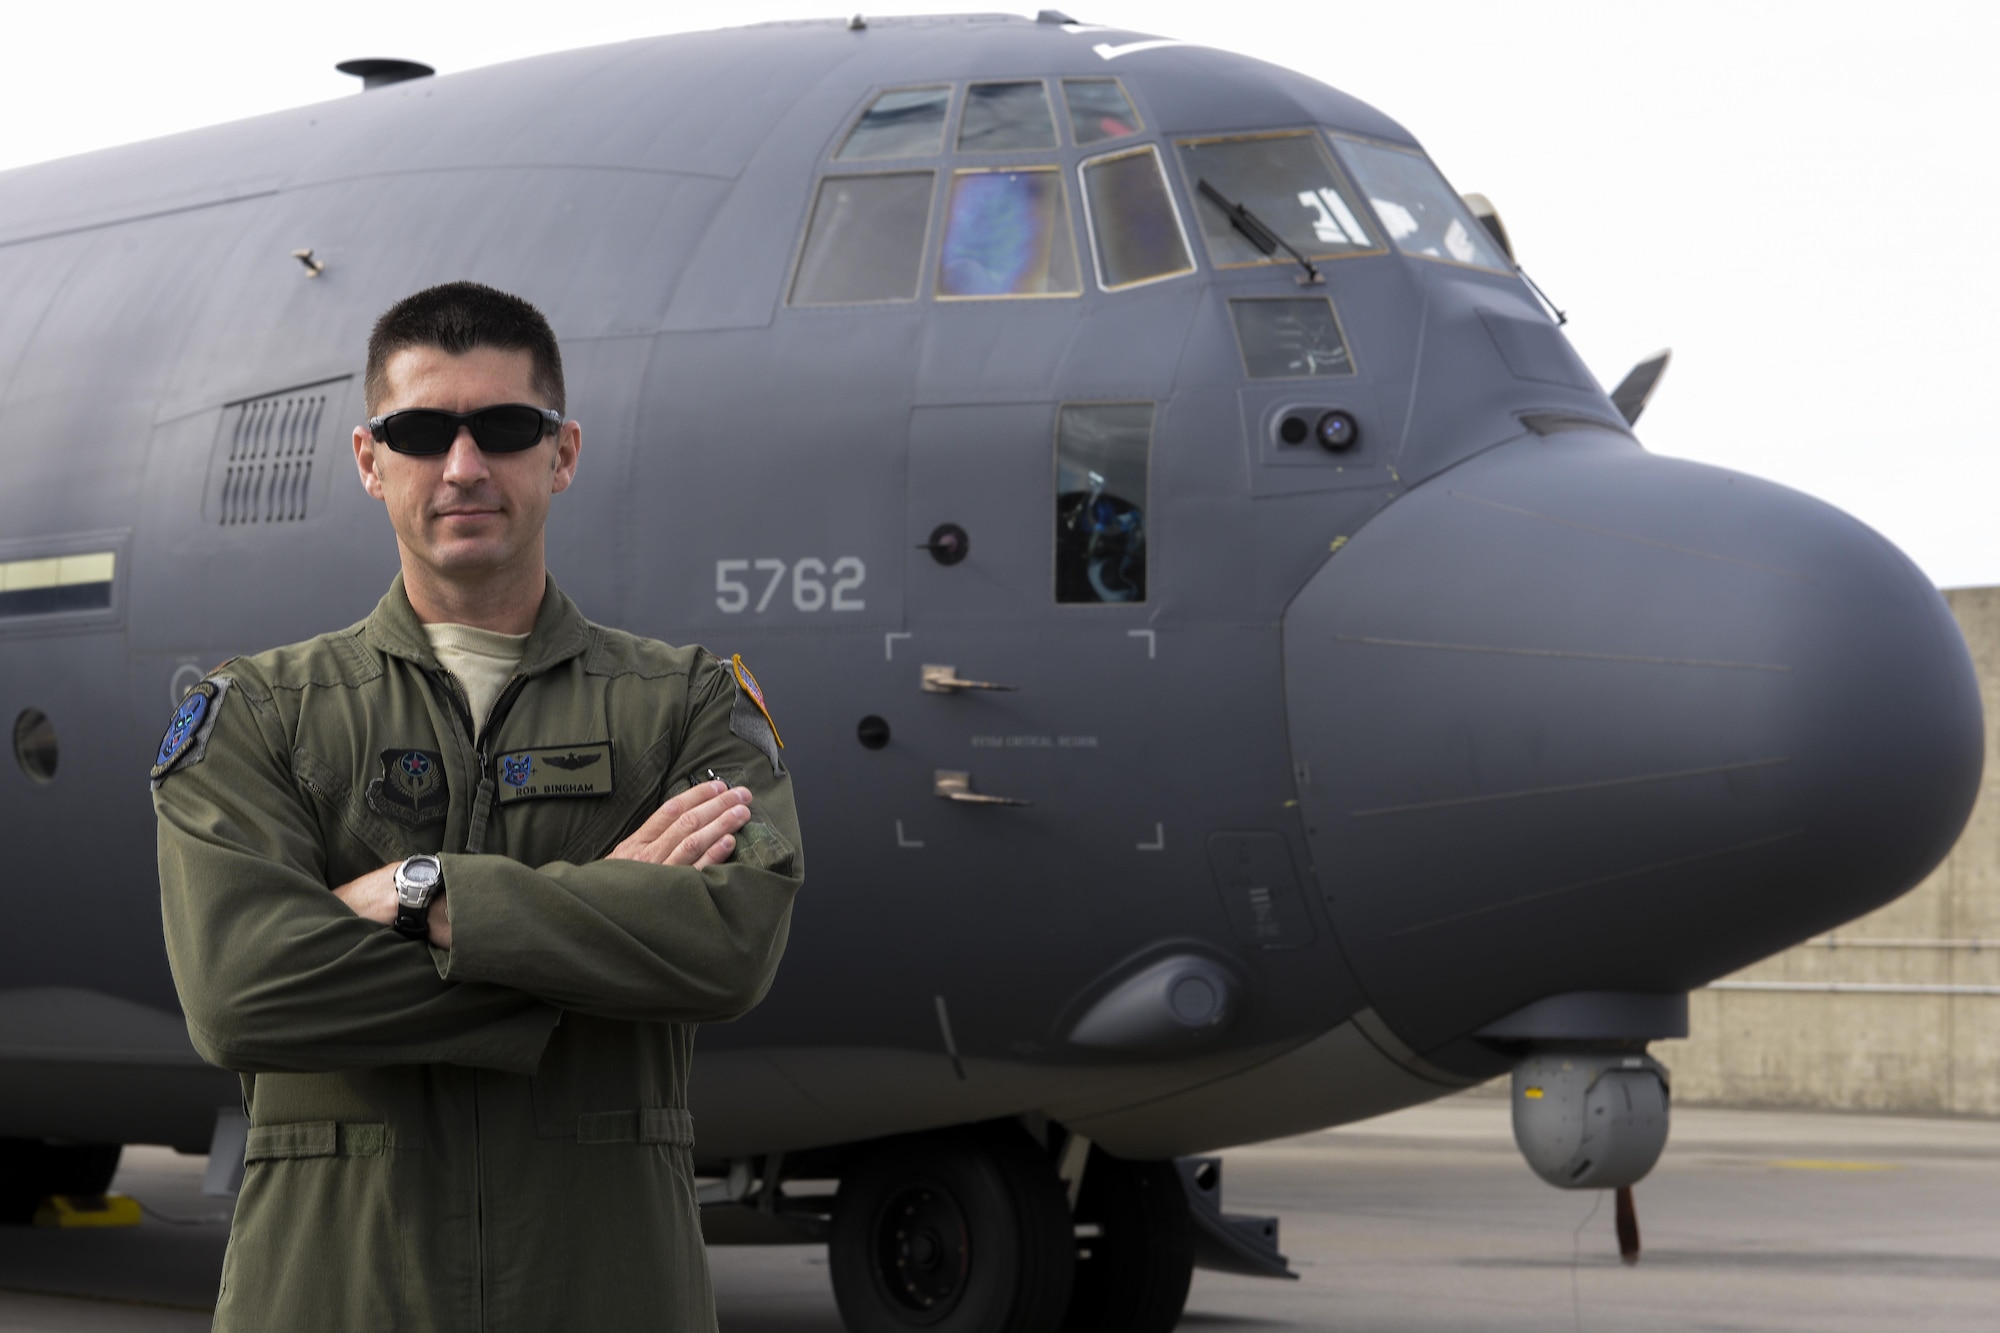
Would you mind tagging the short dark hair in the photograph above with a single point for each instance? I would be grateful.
(457, 317)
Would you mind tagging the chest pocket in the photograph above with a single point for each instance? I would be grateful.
(584, 827)
(357, 838)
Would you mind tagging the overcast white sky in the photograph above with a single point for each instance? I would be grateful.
(1789, 195)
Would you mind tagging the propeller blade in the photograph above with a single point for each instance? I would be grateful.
(1636, 389)
(1489, 217)
(1628, 1226)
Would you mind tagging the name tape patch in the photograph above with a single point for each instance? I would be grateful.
(547, 771)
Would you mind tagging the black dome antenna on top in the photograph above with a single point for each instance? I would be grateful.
(375, 72)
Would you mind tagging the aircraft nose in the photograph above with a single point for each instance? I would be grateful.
(1575, 717)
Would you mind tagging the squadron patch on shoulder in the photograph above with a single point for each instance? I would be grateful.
(186, 740)
(412, 789)
(756, 693)
(750, 716)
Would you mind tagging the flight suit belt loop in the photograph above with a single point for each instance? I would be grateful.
(317, 1138)
(648, 1124)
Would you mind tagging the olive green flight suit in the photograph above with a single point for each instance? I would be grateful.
(492, 1137)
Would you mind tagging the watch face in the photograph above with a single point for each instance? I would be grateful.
(421, 872)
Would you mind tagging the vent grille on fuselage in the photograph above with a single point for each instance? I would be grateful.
(267, 459)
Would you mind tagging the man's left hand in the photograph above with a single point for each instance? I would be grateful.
(373, 898)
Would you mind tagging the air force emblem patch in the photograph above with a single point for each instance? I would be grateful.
(412, 789)
(186, 740)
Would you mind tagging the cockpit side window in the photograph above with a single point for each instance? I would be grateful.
(1135, 230)
(1102, 452)
(1098, 110)
(903, 122)
(1007, 233)
(1290, 337)
(1004, 117)
(1422, 214)
(1287, 182)
(865, 241)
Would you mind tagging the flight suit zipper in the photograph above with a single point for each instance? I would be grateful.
(482, 742)
(475, 840)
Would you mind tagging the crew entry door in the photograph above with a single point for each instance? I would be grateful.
(979, 580)
(1027, 579)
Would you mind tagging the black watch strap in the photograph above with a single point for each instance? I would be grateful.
(413, 923)
(413, 919)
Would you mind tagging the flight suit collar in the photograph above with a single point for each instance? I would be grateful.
(560, 631)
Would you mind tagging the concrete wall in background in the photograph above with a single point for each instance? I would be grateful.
(1921, 1031)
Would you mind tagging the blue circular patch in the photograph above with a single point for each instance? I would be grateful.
(184, 727)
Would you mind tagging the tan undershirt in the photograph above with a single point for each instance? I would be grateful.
(482, 660)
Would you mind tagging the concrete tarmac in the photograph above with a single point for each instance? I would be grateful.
(1424, 1220)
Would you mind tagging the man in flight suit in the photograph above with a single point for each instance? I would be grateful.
(451, 888)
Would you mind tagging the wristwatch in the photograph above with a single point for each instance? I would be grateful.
(417, 882)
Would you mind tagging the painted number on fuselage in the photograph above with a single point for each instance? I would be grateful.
(810, 591)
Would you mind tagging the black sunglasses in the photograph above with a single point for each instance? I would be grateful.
(506, 428)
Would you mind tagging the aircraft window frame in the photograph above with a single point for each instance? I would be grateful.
(957, 137)
(55, 585)
(1173, 206)
(1475, 227)
(1068, 228)
(1144, 508)
(1351, 197)
(792, 300)
(950, 89)
(1069, 112)
(1339, 328)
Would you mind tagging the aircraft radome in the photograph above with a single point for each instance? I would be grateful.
(1242, 673)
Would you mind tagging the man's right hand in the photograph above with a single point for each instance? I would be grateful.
(696, 828)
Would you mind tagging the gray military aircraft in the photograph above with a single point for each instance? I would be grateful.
(1243, 674)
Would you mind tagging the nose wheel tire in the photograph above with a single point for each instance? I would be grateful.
(954, 1232)
(1132, 1275)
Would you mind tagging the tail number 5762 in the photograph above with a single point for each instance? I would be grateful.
(735, 594)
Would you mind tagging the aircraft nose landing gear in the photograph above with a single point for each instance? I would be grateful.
(925, 1249)
(961, 1231)
(971, 1231)
(1135, 1248)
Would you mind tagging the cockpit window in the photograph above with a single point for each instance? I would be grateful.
(1422, 214)
(1098, 110)
(1290, 338)
(904, 122)
(1006, 233)
(1101, 457)
(1001, 117)
(866, 239)
(1288, 182)
(1135, 231)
